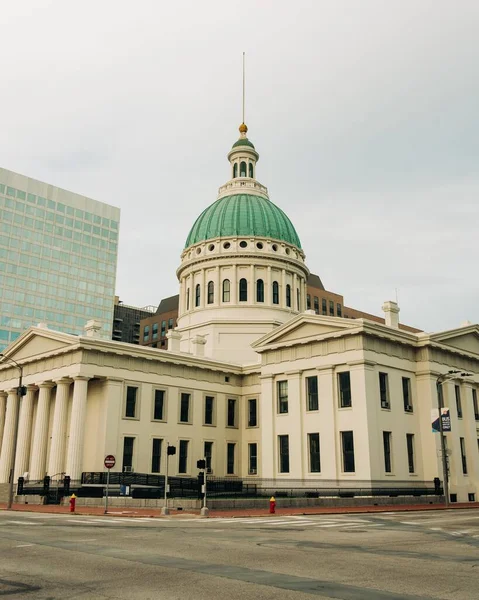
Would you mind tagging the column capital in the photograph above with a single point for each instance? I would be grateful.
(3, 393)
(31, 387)
(45, 385)
(12, 391)
(81, 377)
(63, 380)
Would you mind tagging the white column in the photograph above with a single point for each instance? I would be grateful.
(234, 286)
(294, 300)
(40, 433)
(217, 296)
(252, 290)
(282, 291)
(6, 455)
(268, 292)
(204, 291)
(3, 408)
(56, 462)
(25, 432)
(77, 428)
(267, 416)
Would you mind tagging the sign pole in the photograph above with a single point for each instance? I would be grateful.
(107, 486)
(164, 510)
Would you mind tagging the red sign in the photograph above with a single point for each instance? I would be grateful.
(110, 461)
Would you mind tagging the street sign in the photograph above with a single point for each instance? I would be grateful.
(110, 461)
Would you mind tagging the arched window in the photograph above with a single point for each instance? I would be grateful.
(235, 170)
(188, 299)
(211, 292)
(260, 290)
(251, 170)
(226, 290)
(275, 292)
(243, 290)
(197, 294)
(297, 299)
(243, 169)
(288, 295)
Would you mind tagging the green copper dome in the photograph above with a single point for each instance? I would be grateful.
(243, 215)
(243, 142)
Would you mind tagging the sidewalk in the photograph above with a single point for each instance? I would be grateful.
(231, 513)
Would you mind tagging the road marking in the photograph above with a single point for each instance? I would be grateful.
(293, 523)
(24, 546)
(454, 532)
(366, 525)
(24, 522)
(411, 522)
(436, 528)
(349, 523)
(80, 521)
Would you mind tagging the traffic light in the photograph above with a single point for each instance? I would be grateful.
(201, 464)
(171, 450)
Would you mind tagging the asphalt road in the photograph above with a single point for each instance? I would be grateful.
(390, 556)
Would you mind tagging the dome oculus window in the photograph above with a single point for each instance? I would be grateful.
(259, 245)
(198, 250)
(243, 244)
(211, 247)
(274, 247)
(226, 245)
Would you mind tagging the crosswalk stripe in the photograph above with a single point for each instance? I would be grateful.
(350, 523)
(23, 522)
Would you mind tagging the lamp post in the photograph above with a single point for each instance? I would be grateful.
(452, 374)
(20, 392)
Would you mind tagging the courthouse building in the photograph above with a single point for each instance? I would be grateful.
(252, 380)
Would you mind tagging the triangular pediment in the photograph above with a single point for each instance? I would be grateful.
(465, 338)
(36, 342)
(304, 328)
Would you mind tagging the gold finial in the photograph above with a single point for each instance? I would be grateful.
(243, 128)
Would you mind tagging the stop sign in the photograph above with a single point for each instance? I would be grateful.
(110, 461)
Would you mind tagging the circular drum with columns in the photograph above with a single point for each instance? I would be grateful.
(242, 266)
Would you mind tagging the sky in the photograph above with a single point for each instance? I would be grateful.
(364, 113)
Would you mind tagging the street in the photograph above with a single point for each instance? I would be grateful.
(392, 556)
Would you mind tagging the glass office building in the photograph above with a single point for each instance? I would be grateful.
(58, 257)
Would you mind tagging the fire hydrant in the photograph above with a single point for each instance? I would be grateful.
(272, 505)
(72, 503)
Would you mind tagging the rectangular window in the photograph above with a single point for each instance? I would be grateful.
(208, 456)
(339, 310)
(170, 323)
(316, 305)
(331, 308)
(383, 390)
(387, 451)
(312, 402)
(410, 451)
(282, 397)
(156, 456)
(163, 328)
(406, 394)
(131, 396)
(146, 333)
(308, 302)
(252, 412)
(324, 306)
(457, 391)
(474, 404)
(209, 409)
(252, 459)
(314, 457)
(347, 444)
(183, 456)
(128, 444)
(230, 459)
(159, 407)
(462, 442)
(344, 380)
(185, 408)
(283, 444)
(231, 417)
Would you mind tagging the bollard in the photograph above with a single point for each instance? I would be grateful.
(272, 505)
(72, 503)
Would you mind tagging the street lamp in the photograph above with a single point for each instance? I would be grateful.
(452, 374)
(21, 391)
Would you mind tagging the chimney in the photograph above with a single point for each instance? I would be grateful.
(174, 338)
(199, 342)
(92, 328)
(391, 314)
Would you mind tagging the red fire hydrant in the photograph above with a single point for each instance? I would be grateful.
(72, 503)
(272, 505)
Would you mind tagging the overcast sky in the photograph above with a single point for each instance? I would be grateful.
(365, 115)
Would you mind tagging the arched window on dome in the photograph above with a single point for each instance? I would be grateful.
(260, 290)
(288, 295)
(243, 169)
(235, 170)
(251, 170)
(275, 292)
(243, 290)
(211, 292)
(197, 294)
(226, 290)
